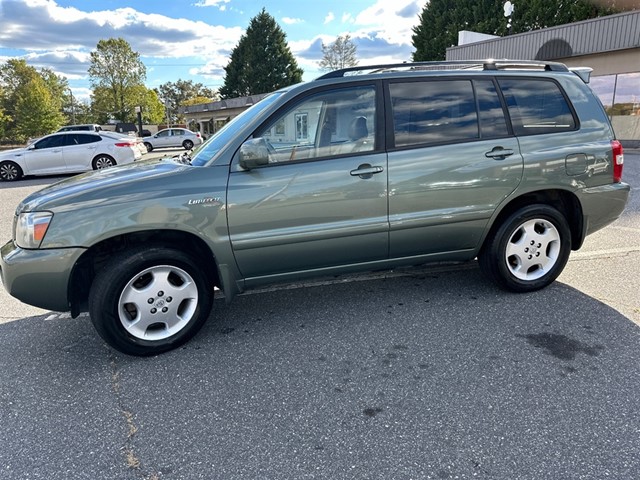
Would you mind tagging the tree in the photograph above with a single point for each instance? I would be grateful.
(115, 70)
(261, 62)
(37, 112)
(18, 102)
(174, 94)
(441, 20)
(339, 54)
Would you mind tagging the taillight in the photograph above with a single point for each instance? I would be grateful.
(618, 160)
(124, 144)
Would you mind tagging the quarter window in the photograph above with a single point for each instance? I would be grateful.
(536, 106)
(433, 112)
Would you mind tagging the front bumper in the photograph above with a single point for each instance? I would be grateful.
(38, 277)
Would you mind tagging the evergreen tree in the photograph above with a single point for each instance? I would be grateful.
(261, 62)
(339, 54)
(441, 20)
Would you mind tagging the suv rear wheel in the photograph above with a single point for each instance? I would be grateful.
(529, 250)
(149, 300)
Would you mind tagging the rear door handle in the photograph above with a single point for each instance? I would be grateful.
(366, 171)
(499, 153)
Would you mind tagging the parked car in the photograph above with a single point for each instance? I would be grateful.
(364, 168)
(127, 128)
(92, 127)
(136, 140)
(67, 152)
(173, 137)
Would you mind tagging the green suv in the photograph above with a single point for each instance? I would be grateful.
(361, 169)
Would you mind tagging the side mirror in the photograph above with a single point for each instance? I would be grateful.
(254, 153)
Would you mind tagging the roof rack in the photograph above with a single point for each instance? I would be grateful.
(488, 64)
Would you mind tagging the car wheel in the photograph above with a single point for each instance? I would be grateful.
(149, 146)
(528, 250)
(10, 171)
(149, 300)
(187, 144)
(103, 161)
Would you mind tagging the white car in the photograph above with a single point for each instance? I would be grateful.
(67, 152)
(173, 137)
(137, 140)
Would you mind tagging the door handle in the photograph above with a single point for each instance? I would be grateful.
(499, 153)
(366, 171)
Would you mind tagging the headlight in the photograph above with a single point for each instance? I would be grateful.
(31, 228)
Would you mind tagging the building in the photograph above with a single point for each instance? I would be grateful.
(208, 118)
(609, 45)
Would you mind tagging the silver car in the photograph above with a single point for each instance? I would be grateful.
(173, 137)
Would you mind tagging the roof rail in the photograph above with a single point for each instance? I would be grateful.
(488, 64)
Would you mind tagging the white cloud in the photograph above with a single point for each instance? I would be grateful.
(329, 18)
(347, 18)
(44, 28)
(212, 3)
(391, 21)
(291, 21)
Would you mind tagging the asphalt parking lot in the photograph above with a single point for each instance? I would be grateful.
(421, 373)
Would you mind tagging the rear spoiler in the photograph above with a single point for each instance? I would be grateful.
(583, 72)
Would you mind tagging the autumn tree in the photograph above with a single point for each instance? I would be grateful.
(261, 62)
(175, 94)
(341, 53)
(115, 73)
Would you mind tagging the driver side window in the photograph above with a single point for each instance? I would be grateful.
(330, 123)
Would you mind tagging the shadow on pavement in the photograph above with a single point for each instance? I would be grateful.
(432, 376)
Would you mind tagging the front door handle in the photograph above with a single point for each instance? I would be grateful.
(366, 171)
(499, 153)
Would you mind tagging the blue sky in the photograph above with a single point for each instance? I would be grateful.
(192, 39)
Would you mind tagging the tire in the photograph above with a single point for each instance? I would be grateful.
(149, 300)
(528, 250)
(10, 171)
(187, 144)
(149, 146)
(102, 161)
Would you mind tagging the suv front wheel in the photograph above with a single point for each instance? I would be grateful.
(528, 250)
(149, 300)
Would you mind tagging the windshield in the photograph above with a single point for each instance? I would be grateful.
(205, 152)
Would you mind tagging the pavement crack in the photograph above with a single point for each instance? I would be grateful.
(128, 449)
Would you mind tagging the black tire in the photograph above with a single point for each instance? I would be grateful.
(139, 322)
(10, 171)
(528, 250)
(102, 161)
(149, 146)
(187, 144)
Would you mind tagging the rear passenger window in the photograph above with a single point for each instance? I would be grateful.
(433, 112)
(536, 106)
(82, 138)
